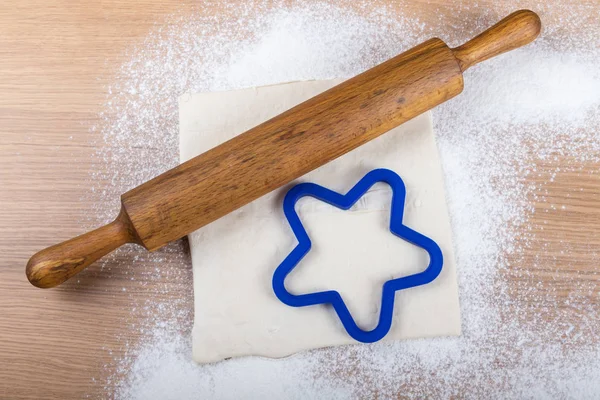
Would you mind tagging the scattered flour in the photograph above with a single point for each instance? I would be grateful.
(500, 141)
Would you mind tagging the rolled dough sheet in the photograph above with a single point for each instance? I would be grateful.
(236, 311)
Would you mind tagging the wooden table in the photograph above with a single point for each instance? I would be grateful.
(56, 59)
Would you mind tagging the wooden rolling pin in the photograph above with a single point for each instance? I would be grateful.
(284, 148)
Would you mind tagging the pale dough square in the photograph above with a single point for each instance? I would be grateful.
(236, 311)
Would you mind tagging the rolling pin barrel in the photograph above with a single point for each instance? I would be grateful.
(284, 148)
(293, 143)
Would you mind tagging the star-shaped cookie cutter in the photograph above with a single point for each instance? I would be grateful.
(396, 227)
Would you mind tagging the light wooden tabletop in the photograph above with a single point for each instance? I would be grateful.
(56, 59)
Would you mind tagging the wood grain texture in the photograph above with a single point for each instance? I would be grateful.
(57, 58)
(284, 148)
(292, 144)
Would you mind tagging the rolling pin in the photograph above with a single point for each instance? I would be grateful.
(283, 148)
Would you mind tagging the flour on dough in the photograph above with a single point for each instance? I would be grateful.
(236, 312)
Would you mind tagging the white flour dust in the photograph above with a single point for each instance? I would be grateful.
(521, 116)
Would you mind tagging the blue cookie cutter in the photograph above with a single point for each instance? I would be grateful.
(390, 287)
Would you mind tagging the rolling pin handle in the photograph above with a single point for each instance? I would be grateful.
(516, 30)
(54, 265)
